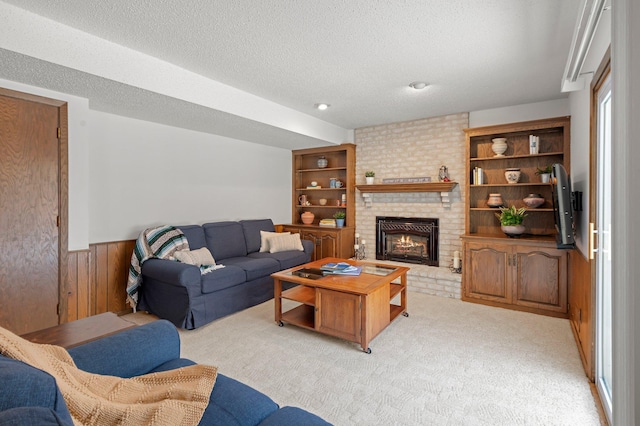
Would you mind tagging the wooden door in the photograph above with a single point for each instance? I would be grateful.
(541, 278)
(489, 274)
(29, 211)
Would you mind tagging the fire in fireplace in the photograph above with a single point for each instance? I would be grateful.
(407, 239)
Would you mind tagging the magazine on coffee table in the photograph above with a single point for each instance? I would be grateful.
(340, 268)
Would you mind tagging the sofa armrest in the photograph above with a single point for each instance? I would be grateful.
(308, 246)
(131, 352)
(171, 272)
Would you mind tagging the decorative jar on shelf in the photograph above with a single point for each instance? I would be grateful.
(495, 200)
(499, 146)
(512, 175)
(307, 218)
(322, 162)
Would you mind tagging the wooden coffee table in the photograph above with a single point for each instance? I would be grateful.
(355, 308)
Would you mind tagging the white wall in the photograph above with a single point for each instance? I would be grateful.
(144, 174)
(517, 113)
(126, 174)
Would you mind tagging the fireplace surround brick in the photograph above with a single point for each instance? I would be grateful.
(412, 149)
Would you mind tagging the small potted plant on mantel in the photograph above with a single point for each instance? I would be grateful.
(339, 217)
(544, 173)
(511, 220)
(369, 176)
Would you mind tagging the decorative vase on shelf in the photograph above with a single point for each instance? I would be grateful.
(495, 200)
(513, 231)
(307, 218)
(339, 223)
(533, 200)
(499, 146)
(370, 180)
(322, 162)
(512, 175)
(545, 177)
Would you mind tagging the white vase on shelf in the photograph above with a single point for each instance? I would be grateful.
(499, 146)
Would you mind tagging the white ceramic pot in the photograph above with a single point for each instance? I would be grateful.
(513, 231)
(370, 180)
(512, 175)
(545, 177)
(499, 146)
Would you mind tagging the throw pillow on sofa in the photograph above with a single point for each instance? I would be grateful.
(265, 237)
(199, 257)
(285, 242)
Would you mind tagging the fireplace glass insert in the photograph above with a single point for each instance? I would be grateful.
(407, 239)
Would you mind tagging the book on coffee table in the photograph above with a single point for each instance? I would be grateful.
(340, 268)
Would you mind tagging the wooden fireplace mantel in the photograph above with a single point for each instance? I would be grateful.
(444, 188)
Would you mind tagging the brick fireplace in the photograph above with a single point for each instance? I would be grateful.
(415, 149)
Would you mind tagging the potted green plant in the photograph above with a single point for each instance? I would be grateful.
(511, 220)
(339, 217)
(369, 176)
(544, 173)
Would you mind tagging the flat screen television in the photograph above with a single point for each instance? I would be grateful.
(562, 207)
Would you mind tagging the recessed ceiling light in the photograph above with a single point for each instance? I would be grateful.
(418, 85)
(322, 107)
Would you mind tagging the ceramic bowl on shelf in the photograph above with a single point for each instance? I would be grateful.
(533, 200)
(322, 201)
(512, 175)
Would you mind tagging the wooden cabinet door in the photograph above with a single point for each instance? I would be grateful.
(541, 278)
(338, 314)
(489, 273)
(328, 244)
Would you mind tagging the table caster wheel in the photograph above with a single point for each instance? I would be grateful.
(280, 324)
(367, 351)
(406, 314)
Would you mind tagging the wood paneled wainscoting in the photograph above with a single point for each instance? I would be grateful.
(581, 309)
(98, 279)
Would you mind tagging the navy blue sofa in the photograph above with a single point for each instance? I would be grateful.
(179, 293)
(30, 396)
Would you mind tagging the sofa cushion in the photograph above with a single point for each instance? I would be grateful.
(287, 259)
(222, 278)
(252, 228)
(32, 416)
(254, 267)
(225, 240)
(265, 236)
(285, 242)
(29, 386)
(194, 234)
(198, 257)
(293, 416)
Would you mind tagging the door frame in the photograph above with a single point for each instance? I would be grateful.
(63, 193)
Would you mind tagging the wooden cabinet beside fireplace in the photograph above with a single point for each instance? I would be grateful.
(529, 276)
(526, 273)
(328, 242)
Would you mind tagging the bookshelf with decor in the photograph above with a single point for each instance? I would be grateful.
(526, 273)
(323, 181)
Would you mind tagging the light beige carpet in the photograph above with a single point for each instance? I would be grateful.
(449, 363)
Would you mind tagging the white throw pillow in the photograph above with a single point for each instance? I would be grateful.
(265, 236)
(285, 242)
(199, 257)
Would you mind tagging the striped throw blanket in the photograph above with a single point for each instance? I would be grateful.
(160, 242)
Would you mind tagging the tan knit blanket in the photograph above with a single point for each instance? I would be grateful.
(175, 397)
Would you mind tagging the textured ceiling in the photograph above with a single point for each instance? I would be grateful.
(357, 55)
